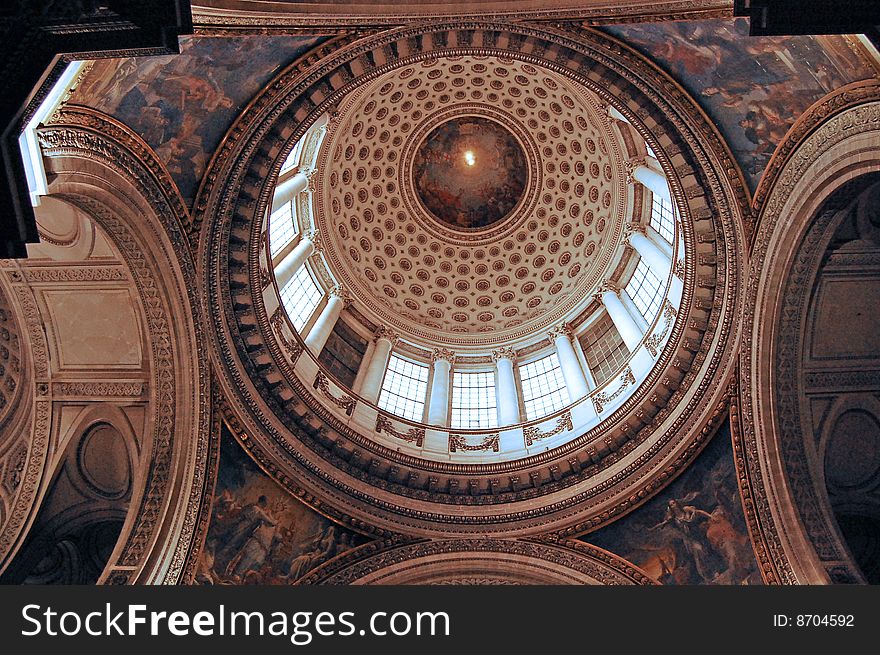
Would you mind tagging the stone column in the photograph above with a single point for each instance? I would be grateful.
(287, 267)
(575, 381)
(506, 396)
(289, 188)
(629, 330)
(638, 171)
(656, 258)
(438, 394)
(585, 367)
(320, 332)
(384, 340)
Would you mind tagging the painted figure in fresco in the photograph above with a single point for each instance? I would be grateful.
(685, 521)
(322, 548)
(245, 540)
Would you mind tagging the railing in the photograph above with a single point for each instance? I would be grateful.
(522, 437)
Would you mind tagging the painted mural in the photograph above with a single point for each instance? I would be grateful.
(694, 531)
(182, 105)
(259, 534)
(470, 172)
(753, 88)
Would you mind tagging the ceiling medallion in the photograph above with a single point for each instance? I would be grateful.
(470, 173)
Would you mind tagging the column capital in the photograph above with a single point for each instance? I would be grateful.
(443, 354)
(634, 228)
(631, 165)
(342, 293)
(384, 332)
(505, 352)
(562, 330)
(605, 286)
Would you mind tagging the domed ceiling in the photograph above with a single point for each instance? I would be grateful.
(507, 279)
(469, 201)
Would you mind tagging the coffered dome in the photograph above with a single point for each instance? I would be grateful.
(472, 278)
(470, 201)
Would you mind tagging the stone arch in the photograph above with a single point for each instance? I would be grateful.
(102, 169)
(478, 561)
(85, 504)
(791, 519)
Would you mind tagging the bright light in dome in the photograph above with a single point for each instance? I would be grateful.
(469, 158)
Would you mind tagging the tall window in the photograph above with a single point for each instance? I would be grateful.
(293, 158)
(473, 400)
(543, 387)
(404, 388)
(645, 288)
(281, 228)
(300, 296)
(662, 218)
(605, 350)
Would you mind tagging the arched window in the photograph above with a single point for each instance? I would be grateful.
(473, 400)
(300, 296)
(404, 388)
(645, 289)
(543, 387)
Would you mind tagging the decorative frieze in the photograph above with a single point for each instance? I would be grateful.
(413, 435)
(533, 432)
(458, 442)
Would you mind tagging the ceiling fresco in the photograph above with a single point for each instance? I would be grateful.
(470, 172)
(753, 88)
(694, 532)
(259, 534)
(182, 105)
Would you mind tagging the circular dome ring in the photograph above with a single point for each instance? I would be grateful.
(636, 451)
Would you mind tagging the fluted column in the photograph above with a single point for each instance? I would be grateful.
(656, 258)
(506, 396)
(384, 340)
(638, 171)
(572, 373)
(289, 188)
(627, 327)
(287, 267)
(320, 332)
(438, 395)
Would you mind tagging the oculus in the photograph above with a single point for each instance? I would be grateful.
(470, 173)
